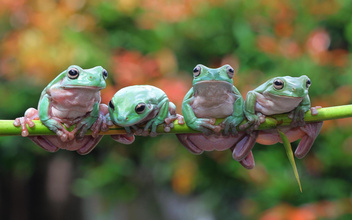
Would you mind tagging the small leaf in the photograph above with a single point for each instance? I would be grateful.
(289, 153)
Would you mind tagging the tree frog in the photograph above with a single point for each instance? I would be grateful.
(283, 95)
(214, 96)
(73, 97)
(146, 105)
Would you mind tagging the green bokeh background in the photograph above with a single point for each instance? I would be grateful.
(159, 43)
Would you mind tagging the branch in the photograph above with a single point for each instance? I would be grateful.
(328, 113)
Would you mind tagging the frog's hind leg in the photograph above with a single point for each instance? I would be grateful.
(185, 141)
(311, 131)
(248, 162)
(91, 142)
(44, 143)
(243, 147)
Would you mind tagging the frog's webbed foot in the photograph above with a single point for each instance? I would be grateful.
(297, 117)
(168, 125)
(185, 141)
(29, 115)
(244, 146)
(312, 130)
(205, 125)
(253, 122)
(103, 122)
(230, 125)
(248, 162)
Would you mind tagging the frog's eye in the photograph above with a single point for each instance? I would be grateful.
(73, 73)
(140, 108)
(111, 105)
(278, 84)
(196, 71)
(308, 83)
(105, 74)
(230, 71)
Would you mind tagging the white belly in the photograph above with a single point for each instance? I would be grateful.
(270, 105)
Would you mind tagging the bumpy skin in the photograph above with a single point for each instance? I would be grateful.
(213, 96)
(283, 95)
(73, 97)
(142, 105)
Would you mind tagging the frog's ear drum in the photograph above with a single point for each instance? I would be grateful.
(73, 73)
(230, 71)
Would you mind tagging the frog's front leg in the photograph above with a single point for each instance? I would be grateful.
(230, 123)
(205, 125)
(254, 119)
(29, 115)
(297, 115)
(51, 123)
(172, 116)
(163, 108)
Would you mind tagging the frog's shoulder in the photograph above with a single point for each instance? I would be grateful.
(264, 86)
(52, 83)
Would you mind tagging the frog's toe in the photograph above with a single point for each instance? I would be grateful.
(180, 119)
(314, 110)
(248, 162)
(153, 134)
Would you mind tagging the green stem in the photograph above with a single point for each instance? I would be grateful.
(329, 113)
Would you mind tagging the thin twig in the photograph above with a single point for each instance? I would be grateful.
(329, 113)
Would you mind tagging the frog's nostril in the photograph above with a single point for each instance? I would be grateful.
(126, 118)
(293, 89)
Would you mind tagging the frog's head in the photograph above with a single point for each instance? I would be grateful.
(288, 86)
(128, 108)
(76, 77)
(202, 73)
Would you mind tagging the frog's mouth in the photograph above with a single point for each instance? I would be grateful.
(83, 87)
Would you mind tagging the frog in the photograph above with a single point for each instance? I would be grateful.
(72, 98)
(213, 96)
(279, 95)
(139, 108)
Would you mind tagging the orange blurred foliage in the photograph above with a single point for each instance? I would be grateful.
(183, 177)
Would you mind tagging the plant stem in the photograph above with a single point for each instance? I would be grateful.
(329, 113)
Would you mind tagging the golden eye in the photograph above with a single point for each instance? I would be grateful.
(278, 84)
(230, 71)
(140, 108)
(196, 71)
(73, 73)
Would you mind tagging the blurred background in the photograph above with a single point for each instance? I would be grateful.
(159, 43)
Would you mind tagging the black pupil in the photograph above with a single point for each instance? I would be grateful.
(111, 105)
(195, 70)
(308, 82)
(278, 83)
(105, 73)
(140, 108)
(231, 70)
(73, 72)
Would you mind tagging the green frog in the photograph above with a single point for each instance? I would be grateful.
(280, 95)
(213, 96)
(72, 98)
(142, 105)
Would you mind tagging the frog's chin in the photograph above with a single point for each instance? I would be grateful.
(207, 82)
